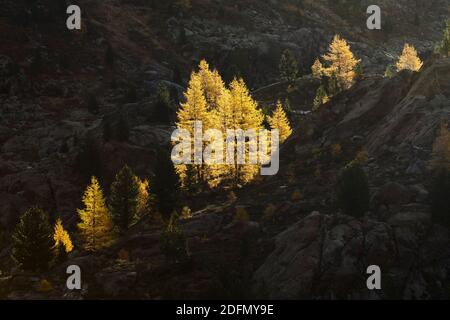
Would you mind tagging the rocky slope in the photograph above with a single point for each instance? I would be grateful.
(304, 248)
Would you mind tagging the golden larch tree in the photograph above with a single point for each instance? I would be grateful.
(212, 84)
(342, 62)
(222, 119)
(143, 200)
(208, 100)
(96, 226)
(317, 69)
(222, 115)
(215, 94)
(280, 121)
(62, 237)
(409, 59)
(245, 115)
(245, 111)
(194, 109)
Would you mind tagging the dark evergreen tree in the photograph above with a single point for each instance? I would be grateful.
(33, 241)
(192, 184)
(288, 109)
(353, 190)
(182, 39)
(123, 200)
(61, 254)
(288, 66)
(333, 85)
(390, 71)
(173, 242)
(177, 78)
(440, 197)
(443, 48)
(166, 186)
(359, 71)
(174, 97)
(321, 98)
(162, 106)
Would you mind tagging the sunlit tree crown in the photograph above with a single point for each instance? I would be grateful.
(409, 59)
(317, 69)
(96, 225)
(280, 121)
(342, 62)
(62, 237)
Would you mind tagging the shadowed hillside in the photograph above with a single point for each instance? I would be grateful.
(85, 103)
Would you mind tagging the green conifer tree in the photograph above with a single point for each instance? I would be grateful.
(123, 200)
(33, 241)
(353, 190)
(321, 98)
(440, 197)
(333, 84)
(443, 48)
(288, 108)
(173, 242)
(166, 186)
(288, 66)
(163, 102)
